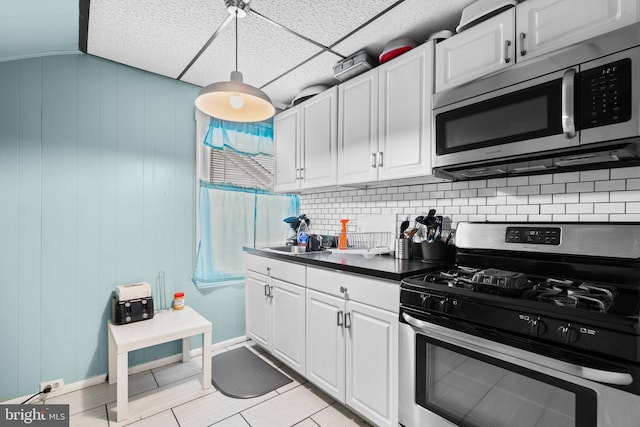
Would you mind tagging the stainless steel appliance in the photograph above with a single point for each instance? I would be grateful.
(576, 108)
(534, 325)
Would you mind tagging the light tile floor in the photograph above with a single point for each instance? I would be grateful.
(173, 396)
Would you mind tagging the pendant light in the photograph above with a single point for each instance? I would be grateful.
(234, 100)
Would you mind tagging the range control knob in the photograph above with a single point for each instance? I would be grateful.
(444, 305)
(568, 334)
(424, 300)
(537, 327)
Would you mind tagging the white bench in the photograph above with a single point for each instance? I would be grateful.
(165, 326)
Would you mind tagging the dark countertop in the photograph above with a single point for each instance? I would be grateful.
(380, 266)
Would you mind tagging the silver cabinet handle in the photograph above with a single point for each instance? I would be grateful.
(347, 320)
(297, 174)
(373, 160)
(523, 51)
(301, 174)
(568, 109)
(498, 351)
(380, 159)
(340, 323)
(271, 291)
(266, 290)
(507, 43)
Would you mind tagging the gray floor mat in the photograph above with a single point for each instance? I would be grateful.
(242, 374)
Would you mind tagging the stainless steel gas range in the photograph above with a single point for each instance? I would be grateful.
(535, 325)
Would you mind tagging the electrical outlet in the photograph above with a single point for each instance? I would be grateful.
(56, 385)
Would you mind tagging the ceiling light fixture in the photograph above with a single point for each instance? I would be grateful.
(234, 100)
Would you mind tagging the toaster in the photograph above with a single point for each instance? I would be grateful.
(130, 311)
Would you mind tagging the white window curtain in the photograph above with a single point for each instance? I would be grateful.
(230, 218)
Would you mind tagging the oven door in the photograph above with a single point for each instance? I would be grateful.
(529, 117)
(452, 378)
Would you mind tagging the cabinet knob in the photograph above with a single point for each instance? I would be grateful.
(343, 290)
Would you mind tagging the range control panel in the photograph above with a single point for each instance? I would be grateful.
(533, 235)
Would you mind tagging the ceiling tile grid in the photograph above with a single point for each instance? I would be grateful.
(158, 36)
(265, 52)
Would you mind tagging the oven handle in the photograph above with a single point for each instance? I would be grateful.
(475, 344)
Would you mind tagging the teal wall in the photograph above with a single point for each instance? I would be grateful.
(97, 187)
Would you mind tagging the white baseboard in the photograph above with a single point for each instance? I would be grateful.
(154, 364)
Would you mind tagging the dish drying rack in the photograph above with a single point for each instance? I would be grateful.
(368, 244)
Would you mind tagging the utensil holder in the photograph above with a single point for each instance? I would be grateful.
(403, 248)
(437, 251)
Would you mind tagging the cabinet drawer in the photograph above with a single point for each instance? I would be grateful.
(378, 293)
(287, 271)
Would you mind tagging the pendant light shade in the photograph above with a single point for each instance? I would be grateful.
(234, 100)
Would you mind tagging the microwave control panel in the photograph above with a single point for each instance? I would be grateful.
(533, 235)
(606, 94)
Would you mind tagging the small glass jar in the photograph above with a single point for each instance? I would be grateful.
(178, 301)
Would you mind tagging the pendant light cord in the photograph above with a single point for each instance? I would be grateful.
(236, 39)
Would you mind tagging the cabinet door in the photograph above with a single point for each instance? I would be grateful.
(476, 52)
(547, 25)
(358, 129)
(325, 343)
(288, 308)
(257, 309)
(286, 136)
(372, 363)
(320, 140)
(405, 115)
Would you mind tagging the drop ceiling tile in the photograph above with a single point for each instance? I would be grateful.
(413, 18)
(158, 36)
(318, 70)
(265, 52)
(324, 21)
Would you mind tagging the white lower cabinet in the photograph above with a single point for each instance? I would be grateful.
(275, 310)
(352, 347)
(339, 330)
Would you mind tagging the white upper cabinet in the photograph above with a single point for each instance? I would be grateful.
(477, 51)
(530, 29)
(384, 120)
(405, 88)
(286, 134)
(319, 167)
(547, 25)
(306, 144)
(358, 129)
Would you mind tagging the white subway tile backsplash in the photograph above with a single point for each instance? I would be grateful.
(616, 185)
(595, 175)
(566, 198)
(552, 188)
(507, 209)
(622, 173)
(599, 196)
(579, 208)
(580, 187)
(517, 181)
(625, 196)
(566, 177)
(609, 208)
(540, 199)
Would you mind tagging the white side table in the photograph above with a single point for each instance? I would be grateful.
(165, 326)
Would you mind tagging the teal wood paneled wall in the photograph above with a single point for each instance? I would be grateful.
(97, 188)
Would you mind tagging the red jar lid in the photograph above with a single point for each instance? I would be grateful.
(178, 295)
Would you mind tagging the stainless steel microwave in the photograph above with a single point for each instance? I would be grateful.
(576, 109)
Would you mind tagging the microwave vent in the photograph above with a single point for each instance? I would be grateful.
(587, 159)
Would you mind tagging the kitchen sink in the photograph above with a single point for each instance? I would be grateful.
(294, 250)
